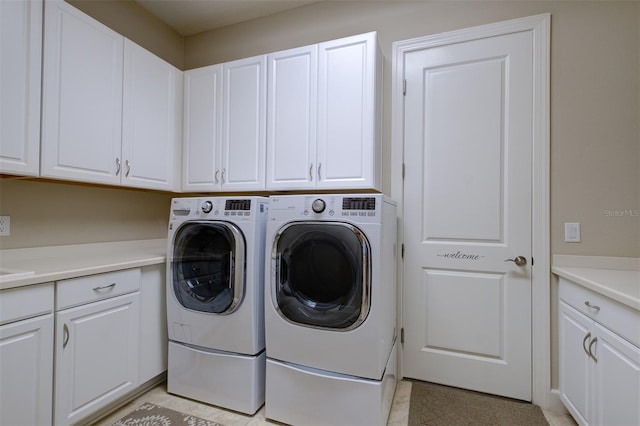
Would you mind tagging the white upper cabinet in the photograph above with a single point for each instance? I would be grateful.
(349, 113)
(82, 97)
(244, 123)
(224, 126)
(324, 119)
(85, 73)
(292, 118)
(20, 76)
(202, 129)
(151, 120)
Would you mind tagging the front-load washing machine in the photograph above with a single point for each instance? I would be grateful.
(330, 308)
(215, 300)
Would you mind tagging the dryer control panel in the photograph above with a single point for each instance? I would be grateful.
(358, 208)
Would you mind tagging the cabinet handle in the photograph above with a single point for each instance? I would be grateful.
(319, 168)
(128, 168)
(593, 342)
(65, 339)
(117, 166)
(584, 344)
(222, 175)
(105, 287)
(589, 305)
(216, 176)
(311, 172)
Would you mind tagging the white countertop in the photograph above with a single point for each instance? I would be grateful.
(22, 267)
(616, 278)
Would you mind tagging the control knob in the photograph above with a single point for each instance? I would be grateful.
(318, 205)
(207, 206)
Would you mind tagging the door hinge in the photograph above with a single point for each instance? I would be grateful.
(402, 335)
(404, 87)
(402, 251)
(531, 260)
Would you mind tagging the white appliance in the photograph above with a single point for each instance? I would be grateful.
(215, 301)
(330, 309)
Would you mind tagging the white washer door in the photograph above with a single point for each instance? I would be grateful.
(208, 266)
(322, 275)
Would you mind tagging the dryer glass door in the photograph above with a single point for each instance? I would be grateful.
(322, 274)
(208, 266)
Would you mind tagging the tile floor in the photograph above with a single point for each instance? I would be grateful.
(158, 395)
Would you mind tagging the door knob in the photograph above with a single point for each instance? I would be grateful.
(520, 260)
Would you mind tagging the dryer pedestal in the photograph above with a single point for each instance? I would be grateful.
(197, 373)
(306, 396)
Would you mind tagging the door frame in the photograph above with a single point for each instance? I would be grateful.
(540, 26)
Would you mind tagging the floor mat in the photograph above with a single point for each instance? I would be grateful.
(438, 405)
(154, 415)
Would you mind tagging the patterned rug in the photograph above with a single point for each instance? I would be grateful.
(437, 405)
(154, 415)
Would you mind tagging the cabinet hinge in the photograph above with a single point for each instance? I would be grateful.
(402, 251)
(402, 335)
(532, 261)
(404, 87)
(403, 170)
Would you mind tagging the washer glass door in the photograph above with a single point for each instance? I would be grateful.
(208, 266)
(321, 274)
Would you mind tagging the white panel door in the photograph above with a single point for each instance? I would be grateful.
(20, 82)
(291, 118)
(347, 113)
(244, 124)
(82, 97)
(202, 133)
(26, 372)
(152, 120)
(468, 156)
(97, 348)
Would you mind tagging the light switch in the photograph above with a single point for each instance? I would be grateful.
(571, 232)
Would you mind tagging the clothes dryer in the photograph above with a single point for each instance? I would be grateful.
(330, 308)
(215, 300)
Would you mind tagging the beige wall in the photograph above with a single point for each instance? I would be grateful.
(137, 24)
(56, 213)
(595, 92)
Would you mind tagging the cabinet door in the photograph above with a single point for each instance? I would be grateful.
(26, 371)
(20, 79)
(617, 382)
(96, 356)
(152, 117)
(292, 118)
(153, 320)
(575, 368)
(202, 129)
(82, 97)
(244, 124)
(348, 113)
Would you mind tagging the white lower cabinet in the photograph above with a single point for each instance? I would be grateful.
(97, 342)
(599, 355)
(26, 355)
(153, 323)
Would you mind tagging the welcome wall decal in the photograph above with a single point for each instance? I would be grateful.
(460, 255)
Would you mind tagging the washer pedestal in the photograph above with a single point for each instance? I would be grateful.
(197, 373)
(306, 396)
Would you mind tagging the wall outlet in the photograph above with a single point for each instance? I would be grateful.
(5, 226)
(571, 232)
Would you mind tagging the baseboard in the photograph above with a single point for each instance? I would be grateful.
(555, 403)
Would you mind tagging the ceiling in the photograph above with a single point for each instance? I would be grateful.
(190, 17)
